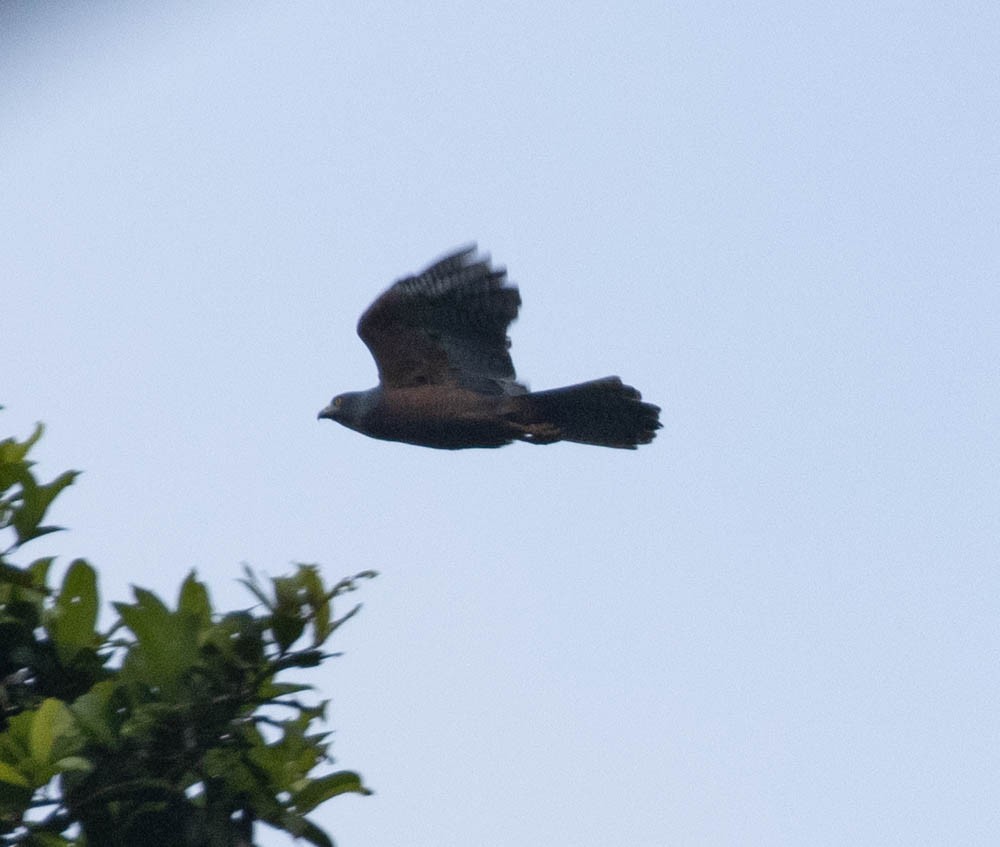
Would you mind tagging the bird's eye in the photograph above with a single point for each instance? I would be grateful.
(337, 401)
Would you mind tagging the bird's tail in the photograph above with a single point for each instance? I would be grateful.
(604, 412)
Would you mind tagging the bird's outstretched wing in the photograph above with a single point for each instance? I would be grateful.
(445, 326)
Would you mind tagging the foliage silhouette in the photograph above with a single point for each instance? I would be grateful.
(171, 728)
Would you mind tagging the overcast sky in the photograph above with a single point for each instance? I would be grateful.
(777, 624)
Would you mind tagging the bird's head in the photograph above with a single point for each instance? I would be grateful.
(351, 408)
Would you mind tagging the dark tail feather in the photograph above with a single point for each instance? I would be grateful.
(604, 412)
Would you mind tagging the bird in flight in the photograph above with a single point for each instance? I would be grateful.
(446, 379)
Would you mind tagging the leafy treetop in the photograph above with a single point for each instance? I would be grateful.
(172, 727)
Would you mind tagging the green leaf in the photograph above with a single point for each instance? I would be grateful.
(194, 600)
(254, 587)
(274, 690)
(50, 724)
(35, 502)
(48, 839)
(10, 775)
(94, 714)
(74, 616)
(318, 790)
(286, 629)
(39, 570)
(14, 742)
(79, 764)
(319, 601)
(168, 641)
(313, 834)
(13, 575)
(13, 452)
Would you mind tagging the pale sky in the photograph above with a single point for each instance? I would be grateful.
(777, 624)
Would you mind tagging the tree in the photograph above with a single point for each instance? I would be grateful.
(170, 728)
